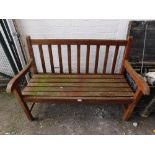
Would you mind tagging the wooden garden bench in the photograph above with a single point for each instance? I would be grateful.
(79, 87)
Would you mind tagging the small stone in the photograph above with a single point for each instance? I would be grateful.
(135, 124)
(79, 100)
(41, 126)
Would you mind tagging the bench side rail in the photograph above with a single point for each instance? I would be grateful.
(97, 43)
(13, 83)
(141, 84)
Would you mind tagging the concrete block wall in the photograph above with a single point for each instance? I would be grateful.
(73, 29)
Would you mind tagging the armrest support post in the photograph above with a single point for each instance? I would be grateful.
(142, 85)
(14, 81)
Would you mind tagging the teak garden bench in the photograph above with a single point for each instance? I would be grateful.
(79, 87)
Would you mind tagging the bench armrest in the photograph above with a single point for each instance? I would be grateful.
(14, 81)
(142, 85)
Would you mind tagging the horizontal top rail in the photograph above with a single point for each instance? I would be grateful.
(78, 41)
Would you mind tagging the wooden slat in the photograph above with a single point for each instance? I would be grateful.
(87, 59)
(69, 58)
(78, 42)
(75, 89)
(97, 58)
(92, 100)
(132, 105)
(60, 58)
(75, 76)
(42, 58)
(115, 58)
(13, 83)
(106, 59)
(79, 94)
(51, 58)
(90, 85)
(78, 80)
(23, 105)
(32, 105)
(140, 82)
(78, 59)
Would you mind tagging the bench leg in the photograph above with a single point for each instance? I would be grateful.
(23, 104)
(130, 108)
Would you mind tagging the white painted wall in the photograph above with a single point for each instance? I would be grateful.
(68, 29)
(74, 28)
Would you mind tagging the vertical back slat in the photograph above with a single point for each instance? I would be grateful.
(87, 58)
(114, 59)
(78, 59)
(97, 58)
(60, 58)
(106, 59)
(42, 58)
(69, 58)
(51, 58)
(34, 69)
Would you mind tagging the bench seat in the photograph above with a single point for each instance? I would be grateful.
(78, 88)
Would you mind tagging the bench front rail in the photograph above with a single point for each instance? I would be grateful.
(79, 87)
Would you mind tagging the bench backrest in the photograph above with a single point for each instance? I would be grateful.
(78, 43)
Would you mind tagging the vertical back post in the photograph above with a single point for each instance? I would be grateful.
(31, 54)
(126, 53)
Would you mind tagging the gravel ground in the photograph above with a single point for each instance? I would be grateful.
(70, 119)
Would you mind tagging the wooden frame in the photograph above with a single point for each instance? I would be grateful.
(78, 87)
(143, 89)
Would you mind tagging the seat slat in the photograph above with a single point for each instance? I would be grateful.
(78, 80)
(90, 85)
(74, 89)
(78, 94)
(70, 76)
(93, 100)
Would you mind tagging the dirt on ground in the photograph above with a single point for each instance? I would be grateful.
(71, 119)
